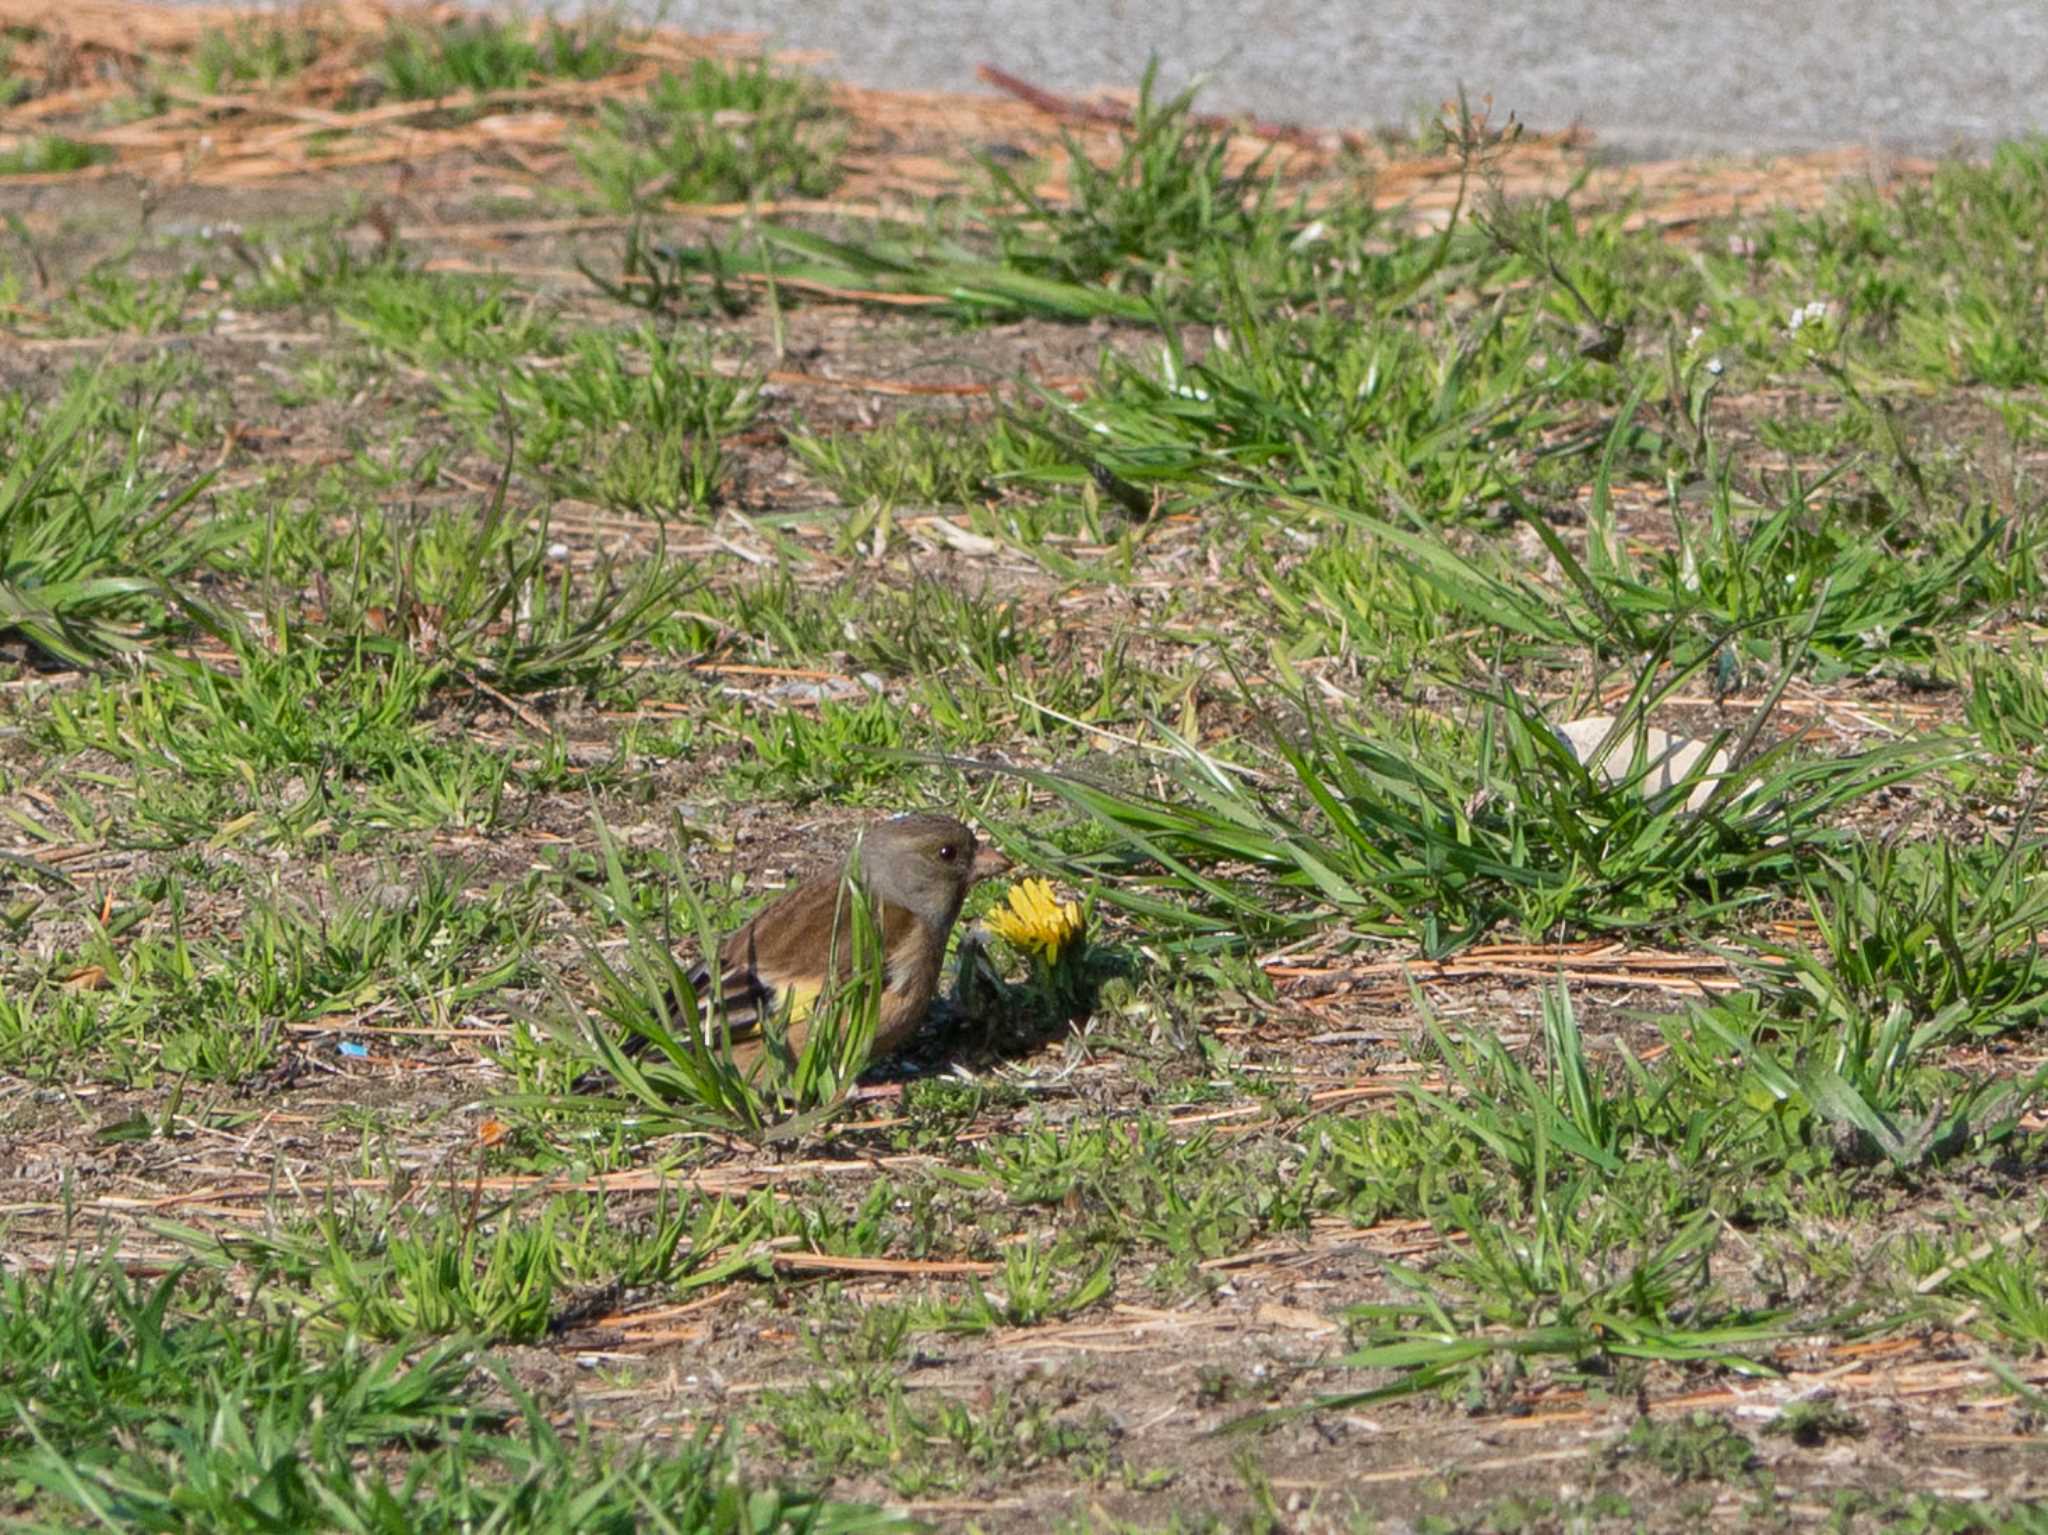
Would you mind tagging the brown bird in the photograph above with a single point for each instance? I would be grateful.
(916, 870)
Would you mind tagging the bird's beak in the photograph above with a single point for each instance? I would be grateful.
(989, 862)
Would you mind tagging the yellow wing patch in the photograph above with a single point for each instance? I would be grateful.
(797, 998)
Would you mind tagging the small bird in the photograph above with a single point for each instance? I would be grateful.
(916, 870)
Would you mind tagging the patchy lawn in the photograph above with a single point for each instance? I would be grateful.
(484, 505)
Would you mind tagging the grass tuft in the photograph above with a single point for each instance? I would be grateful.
(425, 62)
(50, 154)
(714, 133)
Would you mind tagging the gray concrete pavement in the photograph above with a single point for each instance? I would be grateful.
(1646, 75)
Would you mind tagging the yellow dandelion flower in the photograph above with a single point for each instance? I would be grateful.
(1035, 921)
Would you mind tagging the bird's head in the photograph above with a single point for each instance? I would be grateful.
(925, 863)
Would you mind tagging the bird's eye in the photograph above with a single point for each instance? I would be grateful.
(948, 852)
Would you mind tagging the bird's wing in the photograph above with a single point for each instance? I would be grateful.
(778, 961)
(745, 998)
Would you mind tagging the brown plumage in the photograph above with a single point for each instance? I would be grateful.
(916, 870)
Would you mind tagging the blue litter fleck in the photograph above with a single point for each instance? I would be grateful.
(350, 1047)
